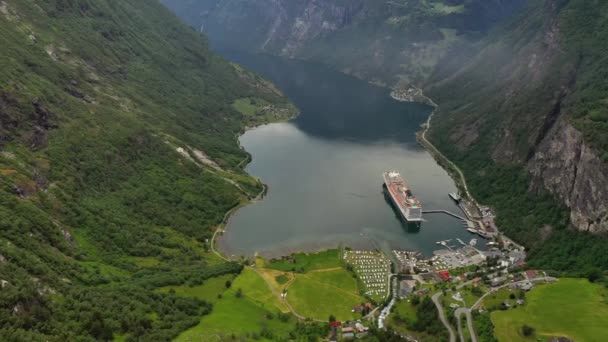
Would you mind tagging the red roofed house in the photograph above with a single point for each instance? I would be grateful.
(445, 275)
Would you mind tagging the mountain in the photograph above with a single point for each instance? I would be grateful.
(531, 98)
(387, 42)
(520, 87)
(118, 160)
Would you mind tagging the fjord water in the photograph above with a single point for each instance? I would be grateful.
(324, 169)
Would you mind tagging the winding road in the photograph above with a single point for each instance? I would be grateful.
(442, 318)
(467, 312)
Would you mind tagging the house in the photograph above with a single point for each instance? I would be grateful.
(348, 330)
(527, 286)
(497, 281)
(348, 336)
(445, 275)
(360, 327)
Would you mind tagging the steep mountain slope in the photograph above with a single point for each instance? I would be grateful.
(118, 159)
(533, 100)
(523, 109)
(387, 42)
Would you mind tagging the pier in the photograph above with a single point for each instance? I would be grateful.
(444, 212)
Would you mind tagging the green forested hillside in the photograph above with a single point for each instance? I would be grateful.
(509, 116)
(108, 111)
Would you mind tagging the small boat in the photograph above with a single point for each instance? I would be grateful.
(455, 196)
(473, 242)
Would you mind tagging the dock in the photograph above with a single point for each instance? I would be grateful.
(444, 212)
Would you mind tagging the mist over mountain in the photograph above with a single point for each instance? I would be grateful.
(387, 42)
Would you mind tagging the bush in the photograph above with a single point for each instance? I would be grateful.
(527, 330)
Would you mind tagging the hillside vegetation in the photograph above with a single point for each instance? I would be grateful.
(584, 302)
(119, 158)
(521, 114)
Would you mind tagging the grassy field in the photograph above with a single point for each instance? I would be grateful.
(302, 262)
(249, 106)
(338, 277)
(321, 286)
(256, 289)
(573, 308)
(232, 315)
(208, 291)
(403, 309)
(497, 298)
(320, 294)
(241, 316)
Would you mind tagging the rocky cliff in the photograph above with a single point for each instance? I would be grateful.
(567, 166)
(531, 97)
(521, 87)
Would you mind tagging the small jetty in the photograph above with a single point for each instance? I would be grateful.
(439, 211)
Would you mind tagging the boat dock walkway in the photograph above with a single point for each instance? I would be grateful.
(444, 212)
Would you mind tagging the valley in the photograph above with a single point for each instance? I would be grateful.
(223, 181)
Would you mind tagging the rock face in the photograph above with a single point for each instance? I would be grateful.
(571, 170)
(511, 96)
(518, 102)
(387, 42)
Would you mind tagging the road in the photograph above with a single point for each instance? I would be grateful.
(467, 312)
(438, 153)
(220, 228)
(442, 318)
(494, 289)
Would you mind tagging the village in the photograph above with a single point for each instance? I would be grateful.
(460, 272)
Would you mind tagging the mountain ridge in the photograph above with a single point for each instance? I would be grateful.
(520, 96)
(118, 159)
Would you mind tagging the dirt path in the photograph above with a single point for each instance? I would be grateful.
(325, 270)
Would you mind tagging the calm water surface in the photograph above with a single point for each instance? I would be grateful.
(324, 169)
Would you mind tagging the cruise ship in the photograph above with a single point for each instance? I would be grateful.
(409, 207)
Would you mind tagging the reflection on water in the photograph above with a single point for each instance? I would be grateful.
(324, 169)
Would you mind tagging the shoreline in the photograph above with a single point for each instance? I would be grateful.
(441, 159)
(415, 95)
(221, 228)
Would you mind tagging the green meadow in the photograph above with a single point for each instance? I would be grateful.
(318, 297)
(303, 262)
(255, 310)
(572, 308)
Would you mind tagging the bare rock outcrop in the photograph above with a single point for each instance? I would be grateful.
(572, 171)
